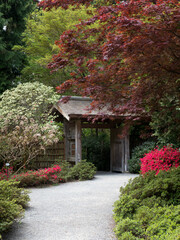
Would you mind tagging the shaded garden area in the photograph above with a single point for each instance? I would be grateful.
(96, 148)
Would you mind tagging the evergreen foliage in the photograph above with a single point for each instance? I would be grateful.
(12, 24)
(82, 171)
(149, 207)
(138, 152)
(12, 201)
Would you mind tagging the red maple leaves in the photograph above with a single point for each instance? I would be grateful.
(127, 55)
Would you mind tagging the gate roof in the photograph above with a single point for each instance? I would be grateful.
(78, 107)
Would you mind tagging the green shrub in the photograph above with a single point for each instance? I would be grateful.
(130, 226)
(129, 236)
(165, 123)
(26, 126)
(82, 171)
(165, 221)
(65, 170)
(149, 207)
(10, 190)
(150, 223)
(9, 211)
(137, 153)
(12, 201)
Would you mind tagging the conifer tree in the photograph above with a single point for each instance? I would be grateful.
(12, 24)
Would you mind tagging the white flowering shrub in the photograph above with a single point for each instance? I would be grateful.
(31, 100)
(26, 124)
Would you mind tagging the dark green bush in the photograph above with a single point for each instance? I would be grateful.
(149, 207)
(165, 221)
(65, 170)
(130, 226)
(9, 211)
(82, 171)
(12, 201)
(137, 153)
(150, 223)
(165, 123)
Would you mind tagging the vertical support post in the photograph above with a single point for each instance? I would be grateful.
(111, 149)
(127, 154)
(78, 151)
(66, 139)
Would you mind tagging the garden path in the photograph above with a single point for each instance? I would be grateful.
(72, 211)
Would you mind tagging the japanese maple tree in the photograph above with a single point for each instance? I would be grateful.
(130, 59)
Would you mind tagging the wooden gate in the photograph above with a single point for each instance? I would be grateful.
(119, 151)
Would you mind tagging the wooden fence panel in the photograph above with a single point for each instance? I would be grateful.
(52, 155)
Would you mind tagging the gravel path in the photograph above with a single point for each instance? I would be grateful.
(72, 211)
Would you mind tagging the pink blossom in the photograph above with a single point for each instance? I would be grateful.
(162, 159)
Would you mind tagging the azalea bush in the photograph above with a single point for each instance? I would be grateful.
(13, 200)
(6, 172)
(82, 171)
(149, 207)
(52, 175)
(160, 159)
(34, 178)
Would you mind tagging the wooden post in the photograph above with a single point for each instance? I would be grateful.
(66, 139)
(127, 155)
(78, 154)
(111, 149)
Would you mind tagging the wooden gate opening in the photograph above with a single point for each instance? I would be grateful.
(75, 116)
(96, 147)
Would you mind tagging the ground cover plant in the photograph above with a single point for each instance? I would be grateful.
(13, 200)
(52, 175)
(149, 207)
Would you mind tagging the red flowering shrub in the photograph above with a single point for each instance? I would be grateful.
(160, 159)
(34, 178)
(55, 174)
(5, 173)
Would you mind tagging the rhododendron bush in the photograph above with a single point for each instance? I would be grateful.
(28, 139)
(27, 126)
(160, 159)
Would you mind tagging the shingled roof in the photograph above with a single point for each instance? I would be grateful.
(77, 107)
